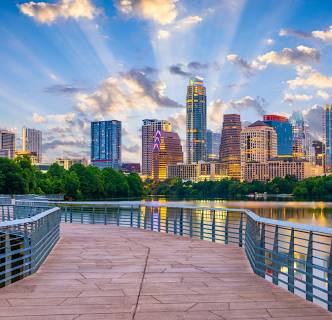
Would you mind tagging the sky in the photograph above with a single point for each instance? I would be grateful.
(64, 63)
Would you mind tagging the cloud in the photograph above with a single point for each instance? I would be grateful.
(317, 34)
(296, 33)
(301, 55)
(323, 35)
(258, 104)
(269, 41)
(291, 97)
(193, 68)
(314, 117)
(63, 9)
(163, 34)
(323, 94)
(62, 89)
(62, 143)
(131, 149)
(177, 69)
(178, 121)
(160, 11)
(308, 77)
(216, 110)
(66, 117)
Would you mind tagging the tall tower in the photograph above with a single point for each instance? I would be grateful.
(106, 144)
(230, 146)
(167, 150)
(149, 129)
(212, 145)
(196, 121)
(32, 142)
(328, 137)
(299, 143)
(7, 144)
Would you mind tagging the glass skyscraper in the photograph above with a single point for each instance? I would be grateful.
(32, 142)
(196, 121)
(328, 137)
(283, 129)
(106, 144)
(212, 145)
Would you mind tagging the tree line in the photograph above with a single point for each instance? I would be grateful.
(19, 176)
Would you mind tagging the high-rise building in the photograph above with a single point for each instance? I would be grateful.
(258, 144)
(299, 139)
(32, 142)
(328, 137)
(149, 129)
(283, 129)
(7, 144)
(167, 150)
(106, 144)
(212, 145)
(319, 152)
(67, 163)
(230, 146)
(196, 121)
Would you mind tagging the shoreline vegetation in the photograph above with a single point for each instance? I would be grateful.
(19, 176)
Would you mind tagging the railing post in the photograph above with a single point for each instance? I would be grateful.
(191, 224)
(275, 257)
(93, 215)
(241, 230)
(291, 263)
(166, 222)
(201, 235)
(151, 222)
(309, 269)
(158, 221)
(226, 227)
(261, 252)
(213, 226)
(105, 215)
(181, 222)
(175, 227)
(131, 216)
(81, 212)
(139, 217)
(8, 256)
(71, 216)
(118, 217)
(329, 280)
(66, 208)
(145, 220)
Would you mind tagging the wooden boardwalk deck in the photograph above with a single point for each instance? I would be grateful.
(102, 272)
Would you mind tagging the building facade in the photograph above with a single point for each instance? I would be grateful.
(196, 121)
(32, 155)
(149, 129)
(32, 140)
(258, 144)
(283, 128)
(230, 146)
(212, 145)
(299, 138)
(67, 163)
(106, 144)
(7, 144)
(280, 167)
(200, 171)
(319, 152)
(131, 167)
(328, 137)
(167, 150)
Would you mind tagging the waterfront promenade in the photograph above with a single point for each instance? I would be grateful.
(103, 272)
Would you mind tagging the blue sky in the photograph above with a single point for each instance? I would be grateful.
(67, 62)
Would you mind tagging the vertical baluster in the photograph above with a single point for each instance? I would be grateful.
(66, 213)
(105, 215)
(329, 280)
(241, 230)
(151, 221)
(139, 217)
(131, 216)
(93, 215)
(167, 221)
(145, 219)
(291, 263)
(226, 227)
(159, 220)
(191, 223)
(181, 222)
(81, 213)
(71, 216)
(213, 227)
(118, 217)
(201, 235)
(175, 227)
(309, 269)
(275, 257)
(261, 251)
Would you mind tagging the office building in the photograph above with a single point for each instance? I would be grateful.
(167, 150)
(149, 129)
(7, 144)
(106, 144)
(66, 163)
(200, 171)
(196, 121)
(32, 155)
(230, 146)
(280, 167)
(328, 137)
(212, 145)
(319, 152)
(299, 139)
(32, 142)
(131, 167)
(283, 128)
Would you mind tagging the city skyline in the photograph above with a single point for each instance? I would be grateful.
(102, 60)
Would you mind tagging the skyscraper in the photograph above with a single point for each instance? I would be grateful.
(299, 150)
(212, 145)
(258, 145)
(167, 150)
(149, 129)
(319, 152)
(283, 129)
(7, 144)
(196, 121)
(328, 137)
(32, 142)
(230, 152)
(106, 144)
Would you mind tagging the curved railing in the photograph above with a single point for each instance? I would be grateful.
(27, 235)
(295, 256)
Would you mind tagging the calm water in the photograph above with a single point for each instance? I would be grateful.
(314, 213)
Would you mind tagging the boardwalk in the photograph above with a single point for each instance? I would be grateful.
(102, 272)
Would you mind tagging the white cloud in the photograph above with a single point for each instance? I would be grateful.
(37, 118)
(63, 9)
(216, 110)
(163, 34)
(323, 35)
(269, 41)
(310, 78)
(291, 97)
(160, 11)
(317, 34)
(187, 22)
(323, 94)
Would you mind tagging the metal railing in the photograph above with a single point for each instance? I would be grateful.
(25, 242)
(294, 256)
